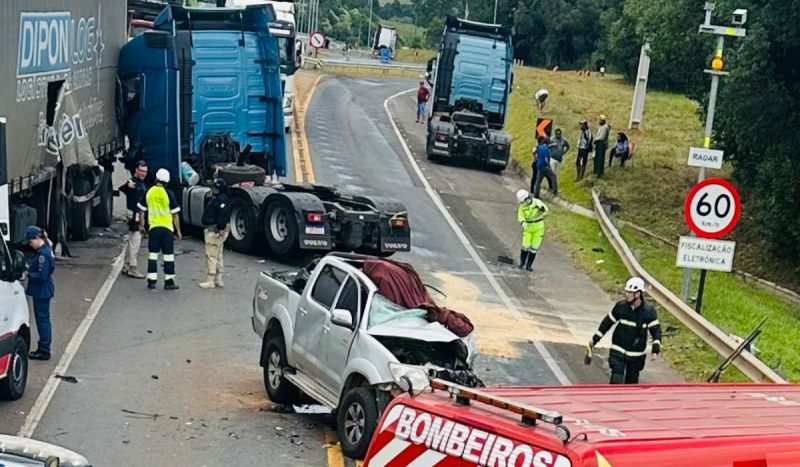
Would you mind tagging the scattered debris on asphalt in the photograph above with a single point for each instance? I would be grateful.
(68, 379)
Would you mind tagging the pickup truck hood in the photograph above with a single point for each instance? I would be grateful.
(414, 328)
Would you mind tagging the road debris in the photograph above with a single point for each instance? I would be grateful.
(68, 379)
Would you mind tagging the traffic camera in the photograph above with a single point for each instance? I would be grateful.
(739, 17)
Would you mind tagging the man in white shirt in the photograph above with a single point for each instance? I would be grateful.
(541, 97)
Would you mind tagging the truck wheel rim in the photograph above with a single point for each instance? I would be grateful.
(279, 225)
(354, 422)
(274, 370)
(238, 224)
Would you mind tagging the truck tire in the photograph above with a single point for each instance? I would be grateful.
(280, 226)
(80, 216)
(233, 173)
(357, 418)
(13, 385)
(103, 213)
(243, 225)
(279, 389)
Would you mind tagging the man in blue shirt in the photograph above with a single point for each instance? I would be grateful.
(41, 288)
(543, 169)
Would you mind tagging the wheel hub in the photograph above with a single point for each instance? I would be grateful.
(16, 367)
(354, 422)
(238, 224)
(274, 369)
(279, 225)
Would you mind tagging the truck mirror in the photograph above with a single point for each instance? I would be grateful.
(342, 318)
(430, 66)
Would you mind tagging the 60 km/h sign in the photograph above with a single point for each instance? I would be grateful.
(712, 208)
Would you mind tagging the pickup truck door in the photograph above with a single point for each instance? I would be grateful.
(334, 344)
(312, 314)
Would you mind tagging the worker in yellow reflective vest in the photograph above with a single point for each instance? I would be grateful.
(162, 210)
(530, 214)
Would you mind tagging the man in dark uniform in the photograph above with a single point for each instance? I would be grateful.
(41, 288)
(134, 190)
(634, 318)
(216, 216)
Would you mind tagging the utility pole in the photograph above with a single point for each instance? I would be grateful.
(495, 12)
(739, 19)
(369, 27)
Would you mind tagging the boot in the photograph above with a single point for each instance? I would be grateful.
(124, 271)
(135, 273)
(171, 285)
(208, 283)
(218, 281)
(523, 255)
(151, 285)
(531, 257)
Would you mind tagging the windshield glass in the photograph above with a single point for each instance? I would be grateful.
(286, 48)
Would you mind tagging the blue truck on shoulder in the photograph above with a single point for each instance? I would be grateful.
(202, 89)
(471, 79)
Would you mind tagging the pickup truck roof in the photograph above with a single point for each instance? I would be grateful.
(747, 425)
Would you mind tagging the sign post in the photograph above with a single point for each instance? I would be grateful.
(712, 209)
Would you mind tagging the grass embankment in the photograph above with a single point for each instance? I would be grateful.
(651, 193)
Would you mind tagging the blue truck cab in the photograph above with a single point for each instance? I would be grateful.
(471, 79)
(200, 95)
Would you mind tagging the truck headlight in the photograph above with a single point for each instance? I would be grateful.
(410, 378)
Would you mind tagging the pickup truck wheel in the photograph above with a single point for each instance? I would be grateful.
(13, 385)
(280, 227)
(243, 226)
(278, 388)
(357, 419)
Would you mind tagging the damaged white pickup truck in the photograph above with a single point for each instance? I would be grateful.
(328, 331)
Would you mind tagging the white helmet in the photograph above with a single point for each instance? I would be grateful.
(522, 195)
(634, 284)
(162, 175)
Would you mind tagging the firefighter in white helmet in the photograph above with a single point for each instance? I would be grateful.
(634, 319)
(530, 214)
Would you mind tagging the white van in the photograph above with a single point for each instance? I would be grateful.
(15, 330)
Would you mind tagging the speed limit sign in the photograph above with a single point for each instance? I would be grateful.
(712, 208)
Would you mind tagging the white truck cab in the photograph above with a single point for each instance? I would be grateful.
(15, 336)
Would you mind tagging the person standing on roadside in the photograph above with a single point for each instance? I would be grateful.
(216, 216)
(41, 288)
(600, 146)
(134, 190)
(543, 169)
(585, 142)
(162, 214)
(558, 148)
(530, 215)
(634, 318)
(422, 98)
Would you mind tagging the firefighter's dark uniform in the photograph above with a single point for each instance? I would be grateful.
(629, 341)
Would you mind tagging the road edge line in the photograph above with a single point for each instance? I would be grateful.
(437, 200)
(46, 395)
(303, 169)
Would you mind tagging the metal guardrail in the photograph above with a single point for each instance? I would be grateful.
(323, 63)
(747, 363)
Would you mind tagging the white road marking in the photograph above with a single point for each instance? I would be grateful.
(437, 200)
(49, 390)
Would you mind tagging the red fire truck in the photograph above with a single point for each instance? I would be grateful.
(709, 425)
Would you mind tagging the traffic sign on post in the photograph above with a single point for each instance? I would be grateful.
(317, 40)
(708, 158)
(544, 127)
(712, 208)
(701, 253)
